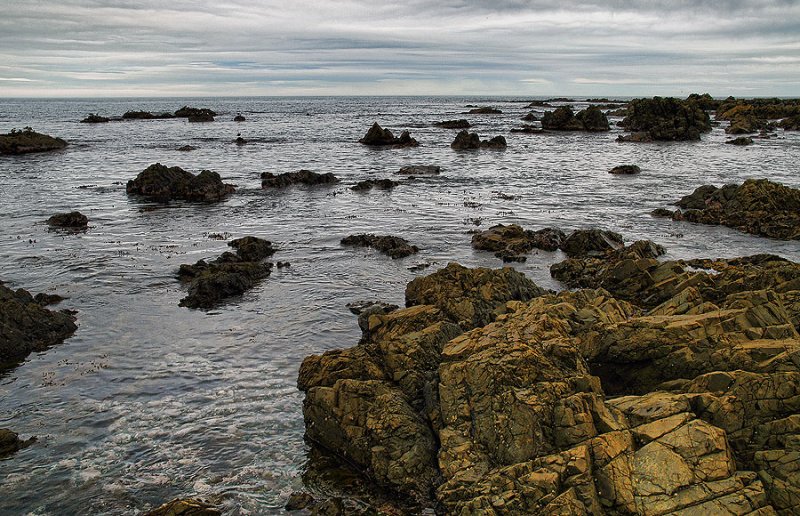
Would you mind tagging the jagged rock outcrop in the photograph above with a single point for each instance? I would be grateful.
(757, 206)
(511, 417)
(26, 326)
(380, 137)
(466, 140)
(231, 274)
(29, 141)
(301, 177)
(664, 119)
(161, 183)
(393, 246)
(510, 243)
(188, 112)
(563, 119)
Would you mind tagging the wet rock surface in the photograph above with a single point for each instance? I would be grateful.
(161, 183)
(28, 141)
(590, 242)
(625, 170)
(510, 243)
(420, 170)
(486, 110)
(380, 137)
(26, 326)
(663, 118)
(512, 417)
(564, 119)
(231, 274)
(71, 220)
(185, 507)
(10, 442)
(461, 123)
(93, 118)
(757, 206)
(468, 141)
(392, 246)
(740, 141)
(301, 177)
(369, 184)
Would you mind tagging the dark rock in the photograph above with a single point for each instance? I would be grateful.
(530, 117)
(95, 119)
(539, 103)
(661, 212)
(162, 183)
(28, 141)
(203, 117)
(299, 501)
(48, 299)
(25, 326)
(741, 141)
(231, 274)
(369, 184)
(185, 507)
(638, 137)
(512, 242)
(625, 169)
(146, 115)
(760, 207)
(454, 124)
(392, 246)
(665, 119)
(187, 112)
(420, 170)
(366, 309)
(705, 101)
(484, 111)
(591, 242)
(187, 148)
(467, 141)
(11, 443)
(239, 118)
(240, 141)
(71, 220)
(790, 123)
(563, 119)
(593, 119)
(301, 177)
(528, 129)
(377, 136)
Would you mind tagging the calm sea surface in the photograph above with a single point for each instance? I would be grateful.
(149, 401)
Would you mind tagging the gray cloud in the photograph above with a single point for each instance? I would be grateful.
(250, 47)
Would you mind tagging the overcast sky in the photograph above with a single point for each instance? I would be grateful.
(502, 47)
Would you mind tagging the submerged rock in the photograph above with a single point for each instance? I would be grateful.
(757, 206)
(11, 443)
(461, 123)
(377, 136)
(29, 141)
(393, 246)
(95, 119)
(301, 177)
(420, 170)
(484, 111)
(71, 220)
(162, 183)
(187, 148)
(26, 326)
(467, 141)
(369, 184)
(512, 242)
(664, 119)
(231, 274)
(185, 507)
(625, 170)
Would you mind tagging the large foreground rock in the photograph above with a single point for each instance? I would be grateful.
(757, 206)
(162, 183)
(665, 119)
(301, 177)
(231, 274)
(29, 141)
(26, 326)
(512, 417)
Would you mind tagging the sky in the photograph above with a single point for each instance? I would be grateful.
(86, 48)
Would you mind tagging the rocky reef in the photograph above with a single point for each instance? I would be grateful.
(563, 119)
(392, 246)
(488, 395)
(301, 177)
(28, 141)
(466, 140)
(379, 137)
(662, 118)
(26, 326)
(231, 274)
(757, 206)
(161, 183)
(510, 243)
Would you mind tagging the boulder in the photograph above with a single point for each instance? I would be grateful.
(301, 177)
(188, 112)
(11, 443)
(790, 123)
(466, 141)
(202, 117)
(231, 274)
(95, 119)
(146, 115)
(757, 206)
(420, 170)
(161, 183)
(71, 220)
(26, 326)
(461, 123)
(185, 507)
(665, 119)
(379, 137)
(510, 243)
(369, 184)
(590, 242)
(393, 246)
(484, 111)
(563, 119)
(29, 141)
(625, 170)
(239, 118)
(740, 141)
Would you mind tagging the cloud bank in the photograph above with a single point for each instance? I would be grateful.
(354, 47)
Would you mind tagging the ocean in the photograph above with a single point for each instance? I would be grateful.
(149, 401)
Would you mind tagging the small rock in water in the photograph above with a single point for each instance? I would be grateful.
(393, 246)
(71, 220)
(420, 170)
(625, 170)
(11, 443)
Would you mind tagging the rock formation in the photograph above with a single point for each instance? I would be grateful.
(71, 220)
(392, 246)
(301, 177)
(468, 141)
(420, 170)
(484, 111)
(188, 112)
(11, 443)
(511, 243)
(28, 141)
(95, 119)
(185, 507)
(380, 137)
(461, 123)
(625, 170)
(664, 119)
(563, 119)
(162, 183)
(369, 184)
